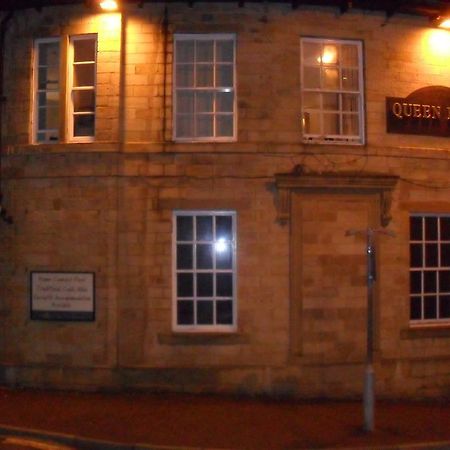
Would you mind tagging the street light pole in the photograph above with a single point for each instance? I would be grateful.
(369, 375)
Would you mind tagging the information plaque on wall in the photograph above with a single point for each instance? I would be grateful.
(62, 296)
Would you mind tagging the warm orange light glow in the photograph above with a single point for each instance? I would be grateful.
(109, 5)
(329, 55)
(444, 23)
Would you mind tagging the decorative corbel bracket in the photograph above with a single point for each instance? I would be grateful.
(343, 182)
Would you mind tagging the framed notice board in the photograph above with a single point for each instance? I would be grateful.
(62, 296)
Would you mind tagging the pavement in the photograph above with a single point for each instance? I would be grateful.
(60, 420)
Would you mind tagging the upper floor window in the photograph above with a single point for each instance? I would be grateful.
(429, 268)
(69, 115)
(204, 271)
(204, 87)
(332, 91)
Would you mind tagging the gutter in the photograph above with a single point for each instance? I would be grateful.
(3, 27)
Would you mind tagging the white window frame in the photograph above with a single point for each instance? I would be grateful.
(435, 271)
(340, 138)
(214, 138)
(65, 131)
(71, 88)
(195, 327)
(37, 91)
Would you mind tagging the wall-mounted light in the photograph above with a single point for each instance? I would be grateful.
(442, 21)
(108, 5)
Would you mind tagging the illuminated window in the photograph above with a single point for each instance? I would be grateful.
(429, 268)
(332, 91)
(49, 101)
(204, 87)
(204, 271)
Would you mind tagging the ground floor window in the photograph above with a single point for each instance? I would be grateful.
(204, 255)
(429, 268)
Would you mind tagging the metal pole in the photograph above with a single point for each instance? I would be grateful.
(369, 378)
(369, 374)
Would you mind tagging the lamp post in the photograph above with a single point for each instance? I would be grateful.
(369, 375)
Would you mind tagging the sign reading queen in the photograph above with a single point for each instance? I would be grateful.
(62, 296)
(425, 111)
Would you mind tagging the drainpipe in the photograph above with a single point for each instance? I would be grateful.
(3, 26)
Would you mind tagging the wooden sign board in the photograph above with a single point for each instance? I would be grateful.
(62, 296)
(425, 111)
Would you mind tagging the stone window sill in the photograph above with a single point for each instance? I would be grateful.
(426, 331)
(202, 339)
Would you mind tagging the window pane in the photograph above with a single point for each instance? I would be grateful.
(415, 282)
(185, 102)
(185, 312)
(185, 75)
(205, 312)
(48, 54)
(330, 78)
(204, 102)
(224, 127)
(184, 256)
(330, 102)
(311, 53)
(224, 227)
(445, 255)
(48, 118)
(445, 228)
(311, 77)
(444, 306)
(350, 102)
(184, 228)
(331, 124)
(430, 282)
(204, 125)
(224, 285)
(224, 75)
(415, 228)
(185, 285)
(311, 100)
(204, 256)
(430, 307)
(416, 308)
(224, 312)
(224, 101)
(204, 228)
(349, 55)
(185, 126)
(225, 51)
(185, 51)
(350, 125)
(84, 101)
(312, 123)
(431, 255)
(350, 81)
(84, 49)
(431, 224)
(84, 125)
(205, 285)
(444, 281)
(330, 55)
(224, 259)
(204, 51)
(84, 75)
(416, 259)
(205, 76)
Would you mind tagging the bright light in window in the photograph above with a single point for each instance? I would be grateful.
(220, 245)
(329, 55)
(109, 5)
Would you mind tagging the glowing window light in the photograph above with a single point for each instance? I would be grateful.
(329, 55)
(109, 5)
(220, 245)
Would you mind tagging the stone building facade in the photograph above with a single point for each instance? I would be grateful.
(286, 156)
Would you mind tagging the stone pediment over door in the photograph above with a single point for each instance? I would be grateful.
(335, 182)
